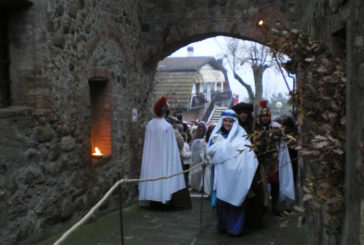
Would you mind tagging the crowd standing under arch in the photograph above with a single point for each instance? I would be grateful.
(247, 166)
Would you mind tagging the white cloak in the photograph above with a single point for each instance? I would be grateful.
(198, 155)
(286, 182)
(235, 164)
(160, 158)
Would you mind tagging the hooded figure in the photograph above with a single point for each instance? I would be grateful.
(161, 157)
(200, 132)
(199, 177)
(234, 165)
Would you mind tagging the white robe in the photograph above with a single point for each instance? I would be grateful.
(186, 154)
(160, 158)
(234, 170)
(198, 149)
(286, 182)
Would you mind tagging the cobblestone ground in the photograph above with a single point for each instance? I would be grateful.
(180, 227)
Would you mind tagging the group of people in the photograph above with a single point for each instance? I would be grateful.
(239, 176)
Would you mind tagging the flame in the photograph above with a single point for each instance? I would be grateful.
(97, 152)
(260, 22)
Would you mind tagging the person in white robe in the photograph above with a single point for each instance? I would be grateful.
(199, 177)
(280, 174)
(186, 151)
(161, 157)
(234, 165)
(186, 156)
(258, 200)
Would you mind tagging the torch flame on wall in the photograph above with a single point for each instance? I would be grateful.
(97, 152)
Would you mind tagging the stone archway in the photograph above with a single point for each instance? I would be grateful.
(175, 35)
(166, 26)
(49, 65)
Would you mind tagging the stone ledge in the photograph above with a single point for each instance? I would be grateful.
(12, 111)
(100, 161)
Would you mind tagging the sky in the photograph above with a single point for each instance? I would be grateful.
(273, 82)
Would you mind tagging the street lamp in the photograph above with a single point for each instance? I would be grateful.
(279, 106)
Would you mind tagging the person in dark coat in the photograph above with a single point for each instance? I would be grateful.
(274, 157)
(245, 116)
(257, 200)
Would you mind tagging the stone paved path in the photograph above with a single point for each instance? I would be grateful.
(180, 227)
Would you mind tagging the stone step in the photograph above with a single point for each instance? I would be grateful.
(216, 114)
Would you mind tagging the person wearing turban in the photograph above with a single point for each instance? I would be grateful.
(161, 157)
(257, 201)
(233, 169)
(274, 156)
(245, 117)
(200, 131)
(199, 177)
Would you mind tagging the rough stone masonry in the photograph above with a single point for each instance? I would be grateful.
(48, 178)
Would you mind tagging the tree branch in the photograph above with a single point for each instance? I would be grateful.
(246, 86)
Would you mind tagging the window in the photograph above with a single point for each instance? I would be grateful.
(4, 60)
(338, 43)
(197, 88)
(219, 87)
(205, 87)
(100, 96)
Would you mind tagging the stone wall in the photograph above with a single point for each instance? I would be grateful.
(339, 25)
(48, 179)
(354, 196)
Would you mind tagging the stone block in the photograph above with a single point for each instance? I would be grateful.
(359, 41)
(361, 75)
(43, 133)
(73, 10)
(59, 40)
(67, 143)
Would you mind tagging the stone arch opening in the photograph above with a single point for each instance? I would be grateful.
(166, 51)
(313, 63)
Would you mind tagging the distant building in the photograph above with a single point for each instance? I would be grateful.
(193, 85)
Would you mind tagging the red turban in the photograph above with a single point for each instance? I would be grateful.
(264, 109)
(159, 105)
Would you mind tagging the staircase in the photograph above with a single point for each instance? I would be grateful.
(216, 114)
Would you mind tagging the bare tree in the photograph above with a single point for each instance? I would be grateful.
(257, 56)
